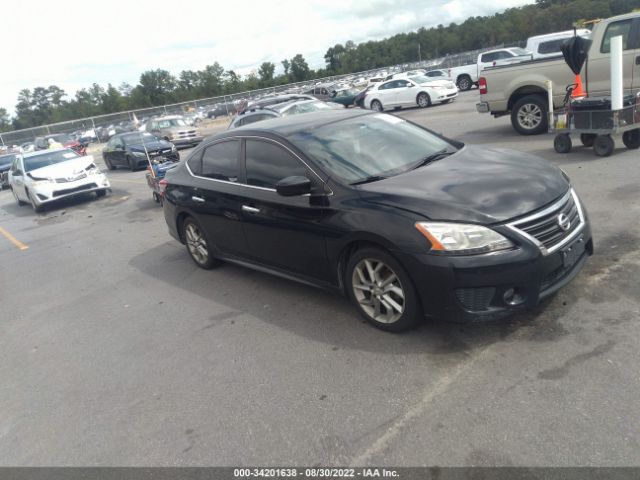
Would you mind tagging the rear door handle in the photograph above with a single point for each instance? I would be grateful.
(197, 199)
(248, 209)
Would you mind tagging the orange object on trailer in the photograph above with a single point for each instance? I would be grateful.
(578, 90)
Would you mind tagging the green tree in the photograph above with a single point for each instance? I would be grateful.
(265, 72)
(158, 86)
(299, 68)
(5, 122)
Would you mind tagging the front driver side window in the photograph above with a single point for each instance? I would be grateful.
(268, 163)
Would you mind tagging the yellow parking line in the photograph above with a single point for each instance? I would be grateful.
(13, 239)
(111, 179)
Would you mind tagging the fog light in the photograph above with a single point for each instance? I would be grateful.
(513, 296)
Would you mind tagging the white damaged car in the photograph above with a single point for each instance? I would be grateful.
(45, 176)
(410, 91)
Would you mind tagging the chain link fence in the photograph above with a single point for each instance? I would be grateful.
(224, 103)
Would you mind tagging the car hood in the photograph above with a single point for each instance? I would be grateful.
(70, 168)
(151, 146)
(4, 168)
(476, 185)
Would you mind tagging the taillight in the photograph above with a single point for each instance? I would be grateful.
(482, 84)
(163, 186)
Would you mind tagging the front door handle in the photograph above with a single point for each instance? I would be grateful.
(248, 209)
(197, 199)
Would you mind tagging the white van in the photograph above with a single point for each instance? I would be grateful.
(545, 46)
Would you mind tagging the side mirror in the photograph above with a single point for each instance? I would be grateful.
(411, 85)
(293, 186)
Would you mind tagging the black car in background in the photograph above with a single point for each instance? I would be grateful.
(6, 160)
(131, 149)
(403, 221)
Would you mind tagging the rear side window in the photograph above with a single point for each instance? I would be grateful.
(613, 30)
(552, 46)
(220, 161)
(268, 163)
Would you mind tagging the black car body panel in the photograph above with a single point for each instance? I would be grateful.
(309, 238)
(135, 152)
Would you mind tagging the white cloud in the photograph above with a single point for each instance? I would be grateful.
(73, 43)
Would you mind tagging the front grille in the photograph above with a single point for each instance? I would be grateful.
(546, 227)
(71, 179)
(475, 299)
(67, 191)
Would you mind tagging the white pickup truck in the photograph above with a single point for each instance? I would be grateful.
(467, 75)
(520, 90)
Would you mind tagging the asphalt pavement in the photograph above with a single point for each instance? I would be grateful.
(115, 349)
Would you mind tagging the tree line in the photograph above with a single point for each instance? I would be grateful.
(158, 87)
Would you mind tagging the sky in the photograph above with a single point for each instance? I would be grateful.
(74, 43)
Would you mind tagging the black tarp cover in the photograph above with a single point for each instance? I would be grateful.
(575, 52)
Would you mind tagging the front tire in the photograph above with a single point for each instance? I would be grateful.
(101, 193)
(529, 115)
(18, 201)
(198, 245)
(631, 139)
(377, 106)
(36, 208)
(381, 290)
(423, 100)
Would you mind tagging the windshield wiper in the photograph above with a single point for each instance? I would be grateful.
(372, 178)
(431, 158)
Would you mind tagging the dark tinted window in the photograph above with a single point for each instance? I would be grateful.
(488, 57)
(386, 86)
(220, 161)
(552, 46)
(268, 163)
(195, 163)
(7, 159)
(615, 29)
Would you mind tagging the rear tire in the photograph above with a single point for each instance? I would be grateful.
(587, 139)
(18, 201)
(464, 82)
(198, 245)
(101, 193)
(381, 290)
(529, 115)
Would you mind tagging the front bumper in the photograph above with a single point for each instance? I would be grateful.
(478, 288)
(53, 191)
(186, 142)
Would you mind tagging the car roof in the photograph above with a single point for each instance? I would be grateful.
(289, 125)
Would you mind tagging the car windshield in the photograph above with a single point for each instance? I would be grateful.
(61, 138)
(368, 146)
(421, 79)
(48, 158)
(135, 138)
(307, 107)
(346, 93)
(172, 122)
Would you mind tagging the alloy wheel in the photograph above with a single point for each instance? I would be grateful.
(378, 290)
(529, 116)
(196, 243)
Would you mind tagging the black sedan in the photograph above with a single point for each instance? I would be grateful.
(131, 150)
(404, 222)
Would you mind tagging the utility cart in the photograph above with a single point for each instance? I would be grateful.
(155, 173)
(594, 122)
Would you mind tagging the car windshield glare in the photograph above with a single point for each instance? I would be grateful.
(368, 146)
(421, 79)
(48, 158)
(520, 51)
(134, 138)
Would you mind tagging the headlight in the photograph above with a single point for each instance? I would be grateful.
(173, 148)
(459, 238)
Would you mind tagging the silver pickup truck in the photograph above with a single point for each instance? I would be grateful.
(519, 90)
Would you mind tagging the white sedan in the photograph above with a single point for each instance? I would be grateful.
(47, 175)
(409, 92)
